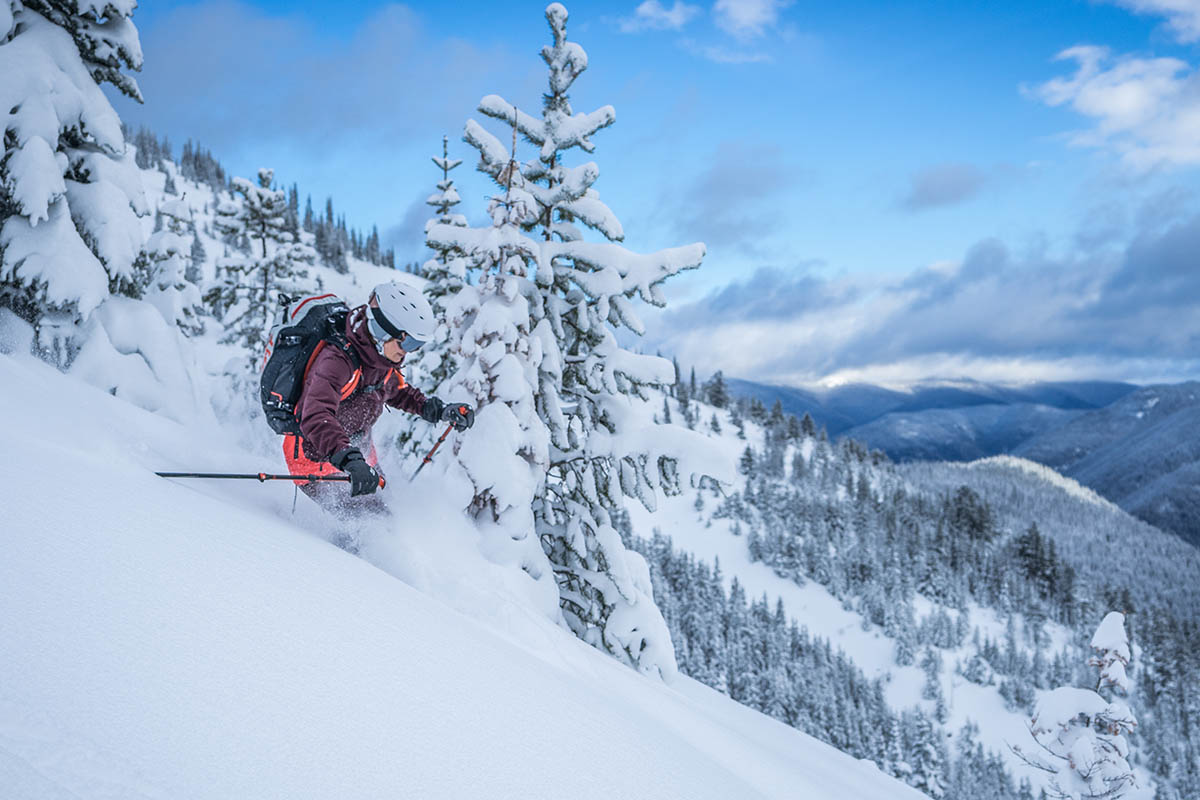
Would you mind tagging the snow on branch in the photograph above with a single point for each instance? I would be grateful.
(640, 273)
(493, 156)
(446, 163)
(595, 214)
(497, 107)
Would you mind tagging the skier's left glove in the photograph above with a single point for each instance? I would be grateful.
(363, 479)
(460, 415)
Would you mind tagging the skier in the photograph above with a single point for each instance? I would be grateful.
(340, 400)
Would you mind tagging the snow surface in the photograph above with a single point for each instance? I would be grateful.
(166, 639)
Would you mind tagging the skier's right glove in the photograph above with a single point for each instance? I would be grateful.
(460, 415)
(363, 479)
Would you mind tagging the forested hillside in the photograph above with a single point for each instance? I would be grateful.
(985, 580)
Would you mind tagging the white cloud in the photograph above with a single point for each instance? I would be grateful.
(653, 15)
(1183, 16)
(724, 55)
(1147, 110)
(748, 19)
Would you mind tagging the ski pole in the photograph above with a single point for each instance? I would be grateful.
(429, 455)
(260, 477)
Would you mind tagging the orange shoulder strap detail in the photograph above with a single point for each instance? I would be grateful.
(352, 384)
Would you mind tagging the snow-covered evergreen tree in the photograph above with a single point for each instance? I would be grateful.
(249, 284)
(599, 453)
(1081, 734)
(446, 271)
(497, 348)
(168, 256)
(70, 192)
(196, 258)
(929, 757)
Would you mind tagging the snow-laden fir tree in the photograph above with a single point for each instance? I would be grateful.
(446, 270)
(70, 192)
(246, 295)
(1081, 734)
(497, 348)
(602, 450)
(167, 257)
(196, 258)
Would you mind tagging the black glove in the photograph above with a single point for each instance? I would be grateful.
(460, 415)
(431, 412)
(363, 479)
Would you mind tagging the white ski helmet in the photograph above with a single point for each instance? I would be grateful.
(402, 313)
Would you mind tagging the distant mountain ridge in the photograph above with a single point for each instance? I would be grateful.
(843, 409)
(1142, 452)
(1136, 446)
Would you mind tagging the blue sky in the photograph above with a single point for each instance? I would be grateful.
(887, 191)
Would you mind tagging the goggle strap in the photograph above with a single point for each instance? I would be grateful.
(383, 322)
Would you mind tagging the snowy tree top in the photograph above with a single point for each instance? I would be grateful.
(556, 15)
(1112, 651)
(566, 60)
(1110, 636)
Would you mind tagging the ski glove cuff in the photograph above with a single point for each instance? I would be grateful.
(460, 415)
(363, 479)
(341, 457)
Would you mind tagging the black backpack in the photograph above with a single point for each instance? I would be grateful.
(304, 325)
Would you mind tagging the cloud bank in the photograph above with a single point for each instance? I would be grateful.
(1130, 313)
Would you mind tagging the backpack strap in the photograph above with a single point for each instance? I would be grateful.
(343, 345)
(391, 373)
(340, 342)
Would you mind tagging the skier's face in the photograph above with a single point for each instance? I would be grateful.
(392, 351)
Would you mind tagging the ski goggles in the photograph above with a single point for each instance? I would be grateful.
(383, 331)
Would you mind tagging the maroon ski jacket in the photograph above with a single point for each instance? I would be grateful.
(337, 403)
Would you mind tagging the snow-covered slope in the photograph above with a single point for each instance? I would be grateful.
(1108, 549)
(171, 640)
